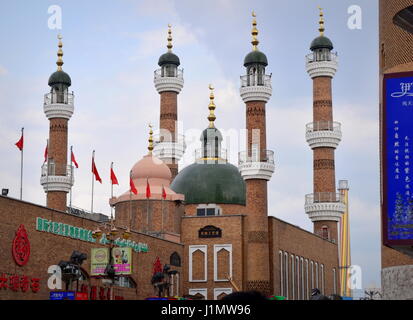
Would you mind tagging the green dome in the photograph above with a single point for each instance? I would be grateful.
(321, 42)
(255, 57)
(210, 183)
(169, 58)
(60, 77)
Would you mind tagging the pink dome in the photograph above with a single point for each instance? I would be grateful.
(154, 171)
(151, 167)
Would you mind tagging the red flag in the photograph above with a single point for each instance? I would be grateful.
(72, 158)
(95, 171)
(148, 190)
(19, 143)
(132, 186)
(45, 153)
(113, 177)
(163, 193)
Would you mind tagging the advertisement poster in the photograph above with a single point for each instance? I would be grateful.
(398, 159)
(122, 259)
(99, 261)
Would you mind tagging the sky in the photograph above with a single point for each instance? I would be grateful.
(111, 49)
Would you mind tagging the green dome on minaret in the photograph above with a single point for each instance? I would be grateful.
(211, 179)
(321, 42)
(59, 76)
(169, 57)
(255, 56)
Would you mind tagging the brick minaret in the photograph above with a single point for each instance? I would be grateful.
(256, 166)
(169, 81)
(325, 206)
(58, 106)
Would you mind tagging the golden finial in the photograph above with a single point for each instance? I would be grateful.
(150, 147)
(211, 107)
(321, 28)
(169, 46)
(59, 54)
(254, 32)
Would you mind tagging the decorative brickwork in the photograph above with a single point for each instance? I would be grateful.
(259, 285)
(323, 164)
(258, 237)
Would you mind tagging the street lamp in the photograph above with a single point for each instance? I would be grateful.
(111, 236)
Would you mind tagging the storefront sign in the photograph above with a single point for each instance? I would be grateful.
(210, 232)
(99, 261)
(64, 230)
(19, 283)
(21, 247)
(397, 210)
(137, 247)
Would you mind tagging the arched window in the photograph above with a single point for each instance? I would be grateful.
(334, 281)
(281, 273)
(286, 282)
(306, 279)
(312, 275)
(297, 271)
(316, 275)
(175, 260)
(325, 232)
(302, 279)
(292, 278)
(322, 279)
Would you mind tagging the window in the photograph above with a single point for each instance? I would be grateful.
(302, 279)
(281, 274)
(125, 282)
(208, 210)
(312, 274)
(198, 263)
(286, 274)
(201, 293)
(334, 281)
(292, 277)
(325, 232)
(297, 271)
(222, 262)
(306, 279)
(175, 260)
(322, 279)
(219, 293)
(316, 275)
(200, 212)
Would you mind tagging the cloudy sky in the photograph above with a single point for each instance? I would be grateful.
(111, 49)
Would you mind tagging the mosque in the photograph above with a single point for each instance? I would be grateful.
(207, 227)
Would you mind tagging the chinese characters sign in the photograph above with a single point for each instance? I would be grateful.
(398, 158)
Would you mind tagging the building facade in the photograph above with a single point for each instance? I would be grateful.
(207, 228)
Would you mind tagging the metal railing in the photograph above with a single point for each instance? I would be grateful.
(323, 126)
(211, 154)
(256, 80)
(323, 56)
(61, 98)
(53, 169)
(321, 197)
(172, 73)
(266, 156)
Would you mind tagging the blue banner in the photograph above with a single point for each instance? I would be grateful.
(399, 157)
(62, 295)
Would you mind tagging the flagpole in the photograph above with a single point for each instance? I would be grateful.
(21, 169)
(162, 210)
(130, 202)
(147, 208)
(111, 192)
(93, 180)
(71, 176)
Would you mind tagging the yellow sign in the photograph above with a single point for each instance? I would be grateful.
(99, 261)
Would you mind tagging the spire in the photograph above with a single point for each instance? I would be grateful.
(150, 140)
(59, 54)
(321, 28)
(211, 107)
(169, 46)
(254, 32)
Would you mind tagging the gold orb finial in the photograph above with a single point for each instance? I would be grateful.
(150, 140)
(321, 22)
(59, 53)
(254, 32)
(169, 46)
(211, 107)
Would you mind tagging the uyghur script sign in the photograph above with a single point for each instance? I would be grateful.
(398, 159)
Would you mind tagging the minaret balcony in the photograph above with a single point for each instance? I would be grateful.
(256, 88)
(168, 150)
(57, 178)
(258, 166)
(58, 105)
(173, 80)
(324, 206)
(323, 134)
(326, 67)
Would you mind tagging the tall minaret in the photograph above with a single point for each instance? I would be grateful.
(169, 81)
(256, 166)
(58, 106)
(325, 206)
